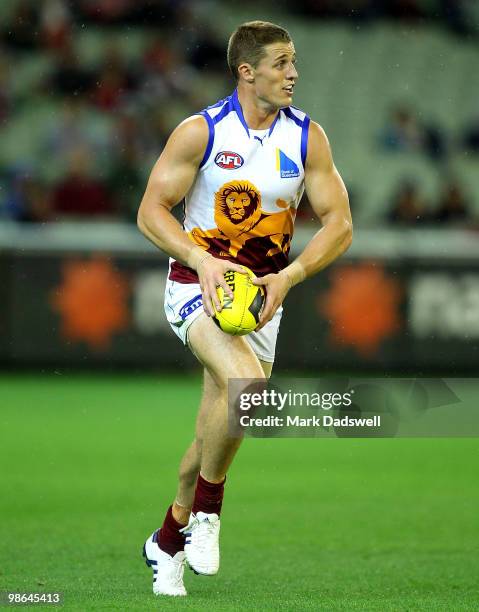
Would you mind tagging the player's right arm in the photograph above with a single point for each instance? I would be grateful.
(171, 178)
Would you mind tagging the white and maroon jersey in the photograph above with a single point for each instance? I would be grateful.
(243, 202)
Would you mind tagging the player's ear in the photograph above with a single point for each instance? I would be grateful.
(246, 72)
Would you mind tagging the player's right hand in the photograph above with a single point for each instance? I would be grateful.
(211, 271)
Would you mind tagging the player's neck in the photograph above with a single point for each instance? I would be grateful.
(257, 114)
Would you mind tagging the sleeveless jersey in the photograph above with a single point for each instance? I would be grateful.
(243, 202)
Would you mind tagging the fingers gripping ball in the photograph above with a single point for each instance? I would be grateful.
(240, 315)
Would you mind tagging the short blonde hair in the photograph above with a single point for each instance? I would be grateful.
(247, 43)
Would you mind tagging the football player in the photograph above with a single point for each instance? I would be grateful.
(241, 166)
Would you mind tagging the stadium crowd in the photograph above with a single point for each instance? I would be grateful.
(458, 16)
(405, 133)
(101, 172)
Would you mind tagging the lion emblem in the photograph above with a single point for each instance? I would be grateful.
(239, 217)
(237, 208)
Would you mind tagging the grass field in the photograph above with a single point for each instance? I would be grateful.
(88, 467)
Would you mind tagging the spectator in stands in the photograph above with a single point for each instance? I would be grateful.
(129, 12)
(406, 133)
(205, 49)
(69, 78)
(6, 101)
(166, 73)
(27, 197)
(470, 137)
(114, 80)
(137, 142)
(453, 205)
(405, 9)
(72, 128)
(22, 32)
(363, 10)
(126, 182)
(55, 21)
(356, 9)
(408, 206)
(163, 13)
(79, 194)
(106, 12)
(455, 16)
(205, 53)
(145, 133)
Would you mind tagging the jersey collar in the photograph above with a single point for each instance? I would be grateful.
(239, 112)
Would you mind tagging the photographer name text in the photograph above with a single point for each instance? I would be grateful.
(326, 420)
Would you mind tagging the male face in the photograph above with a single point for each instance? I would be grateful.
(275, 75)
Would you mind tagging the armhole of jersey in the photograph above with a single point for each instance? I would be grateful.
(211, 138)
(304, 139)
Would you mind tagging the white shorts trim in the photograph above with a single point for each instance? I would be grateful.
(184, 304)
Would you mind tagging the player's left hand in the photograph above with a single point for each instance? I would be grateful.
(277, 287)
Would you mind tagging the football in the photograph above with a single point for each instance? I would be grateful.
(240, 315)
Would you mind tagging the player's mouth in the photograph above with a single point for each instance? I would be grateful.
(289, 89)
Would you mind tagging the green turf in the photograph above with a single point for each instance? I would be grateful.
(88, 467)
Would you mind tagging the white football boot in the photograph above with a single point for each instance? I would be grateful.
(202, 547)
(167, 570)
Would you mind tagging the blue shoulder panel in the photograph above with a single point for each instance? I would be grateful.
(216, 104)
(289, 113)
(304, 139)
(226, 110)
(211, 137)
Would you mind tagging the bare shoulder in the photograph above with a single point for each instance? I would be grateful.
(319, 151)
(193, 127)
(189, 139)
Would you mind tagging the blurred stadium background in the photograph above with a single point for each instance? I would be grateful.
(92, 403)
(89, 92)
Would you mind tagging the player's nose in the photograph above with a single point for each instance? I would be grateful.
(292, 72)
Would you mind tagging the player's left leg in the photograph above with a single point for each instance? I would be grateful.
(168, 567)
(191, 461)
(190, 464)
(167, 560)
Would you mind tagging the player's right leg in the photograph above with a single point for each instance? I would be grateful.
(224, 357)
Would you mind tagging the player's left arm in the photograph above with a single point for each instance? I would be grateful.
(329, 199)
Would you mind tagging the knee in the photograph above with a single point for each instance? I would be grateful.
(247, 366)
(240, 371)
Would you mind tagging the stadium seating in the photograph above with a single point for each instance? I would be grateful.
(351, 76)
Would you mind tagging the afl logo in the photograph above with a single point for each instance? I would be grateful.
(228, 160)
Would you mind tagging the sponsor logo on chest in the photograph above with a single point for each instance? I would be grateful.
(286, 166)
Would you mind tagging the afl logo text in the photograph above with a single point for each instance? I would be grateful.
(229, 160)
